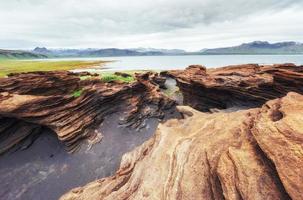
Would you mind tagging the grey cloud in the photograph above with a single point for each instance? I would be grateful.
(72, 22)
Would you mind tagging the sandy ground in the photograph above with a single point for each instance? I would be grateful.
(46, 170)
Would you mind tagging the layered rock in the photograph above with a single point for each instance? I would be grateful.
(241, 85)
(251, 154)
(14, 131)
(41, 83)
(72, 107)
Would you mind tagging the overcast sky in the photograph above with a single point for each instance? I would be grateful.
(185, 24)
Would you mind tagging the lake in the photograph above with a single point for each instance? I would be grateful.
(181, 62)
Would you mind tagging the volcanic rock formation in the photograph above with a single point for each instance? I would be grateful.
(248, 154)
(241, 85)
(72, 107)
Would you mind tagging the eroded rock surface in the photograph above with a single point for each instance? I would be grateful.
(248, 154)
(72, 107)
(248, 85)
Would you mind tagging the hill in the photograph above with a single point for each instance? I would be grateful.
(94, 52)
(17, 54)
(259, 47)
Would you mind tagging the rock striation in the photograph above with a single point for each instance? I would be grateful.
(248, 154)
(72, 107)
(248, 85)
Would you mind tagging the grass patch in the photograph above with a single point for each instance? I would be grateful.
(82, 78)
(77, 93)
(18, 66)
(113, 77)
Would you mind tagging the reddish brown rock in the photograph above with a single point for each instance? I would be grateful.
(251, 154)
(41, 83)
(242, 85)
(154, 77)
(279, 134)
(73, 108)
(14, 131)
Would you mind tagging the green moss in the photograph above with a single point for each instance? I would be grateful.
(77, 93)
(113, 77)
(82, 78)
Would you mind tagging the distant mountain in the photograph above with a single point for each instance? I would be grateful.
(41, 50)
(259, 47)
(94, 52)
(121, 52)
(17, 54)
(59, 52)
(164, 51)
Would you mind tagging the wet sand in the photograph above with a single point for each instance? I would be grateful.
(46, 171)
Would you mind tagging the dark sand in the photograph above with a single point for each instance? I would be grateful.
(46, 171)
